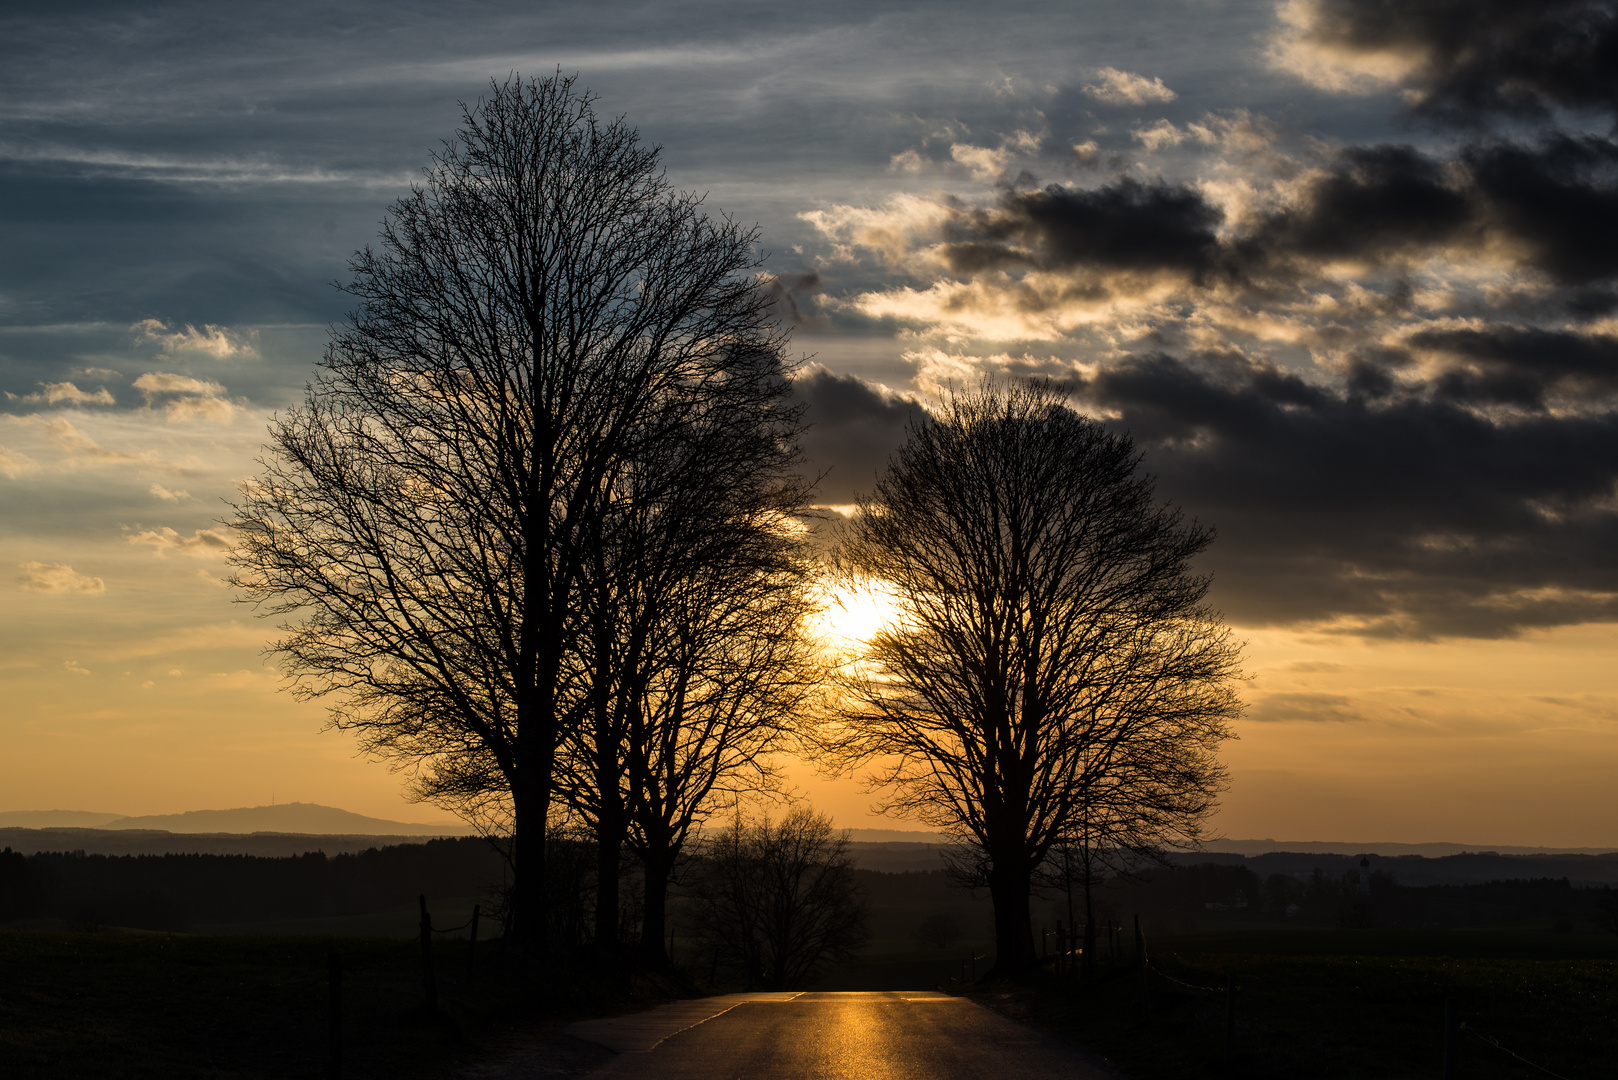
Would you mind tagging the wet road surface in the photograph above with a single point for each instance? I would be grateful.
(900, 1035)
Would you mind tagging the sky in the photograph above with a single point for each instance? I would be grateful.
(1346, 271)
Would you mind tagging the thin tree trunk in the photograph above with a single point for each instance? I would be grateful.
(656, 901)
(1089, 927)
(610, 830)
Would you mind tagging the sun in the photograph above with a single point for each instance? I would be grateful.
(854, 613)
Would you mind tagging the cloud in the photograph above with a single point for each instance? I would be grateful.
(56, 578)
(14, 464)
(161, 492)
(1311, 707)
(154, 383)
(189, 398)
(789, 294)
(77, 445)
(1459, 61)
(1127, 225)
(1161, 134)
(66, 392)
(217, 342)
(1124, 88)
(854, 427)
(1400, 512)
(1504, 364)
(75, 667)
(203, 543)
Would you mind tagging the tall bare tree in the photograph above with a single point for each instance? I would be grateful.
(695, 646)
(425, 521)
(1050, 635)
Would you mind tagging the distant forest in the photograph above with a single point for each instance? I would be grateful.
(179, 892)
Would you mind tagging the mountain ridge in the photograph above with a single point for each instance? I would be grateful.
(310, 819)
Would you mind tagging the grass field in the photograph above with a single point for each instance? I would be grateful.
(1346, 1003)
(1308, 1003)
(136, 1005)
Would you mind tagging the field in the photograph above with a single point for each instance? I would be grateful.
(1344, 1003)
(251, 999)
(136, 1005)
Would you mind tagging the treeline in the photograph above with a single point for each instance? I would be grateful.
(179, 892)
(1336, 899)
(1463, 868)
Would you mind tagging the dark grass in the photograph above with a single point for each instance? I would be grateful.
(131, 1005)
(1348, 1003)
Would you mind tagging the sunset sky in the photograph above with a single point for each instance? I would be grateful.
(1349, 276)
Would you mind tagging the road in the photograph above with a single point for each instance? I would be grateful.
(901, 1035)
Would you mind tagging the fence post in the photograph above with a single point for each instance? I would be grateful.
(472, 943)
(1449, 1038)
(1230, 1016)
(1061, 940)
(427, 955)
(1140, 962)
(334, 977)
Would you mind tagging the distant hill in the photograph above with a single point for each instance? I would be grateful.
(1363, 847)
(309, 819)
(895, 836)
(54, 819)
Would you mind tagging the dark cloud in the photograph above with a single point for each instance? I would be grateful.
(1303, 705)
(1371, 202)
(1479, 58)
(1518, 365)
(1558, 200)
(1124, 226)
(1551, 206)
(854, 429)
(790, 297)
(1408, 513)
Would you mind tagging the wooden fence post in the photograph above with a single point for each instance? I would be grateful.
(1230, 1016)
(472, 942)
(1449, 1038)
(428, 985)
(334, 977)
(1140, 962)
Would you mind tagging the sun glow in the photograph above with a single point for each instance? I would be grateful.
(852, 614)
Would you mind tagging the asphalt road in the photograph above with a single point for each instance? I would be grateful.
(919, 1035)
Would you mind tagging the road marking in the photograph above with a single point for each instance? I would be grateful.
(639, 1033)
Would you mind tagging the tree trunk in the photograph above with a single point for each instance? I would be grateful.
(1089, 957)
(1013, 928)
(610, 830)
(530, 820)
(656, 901)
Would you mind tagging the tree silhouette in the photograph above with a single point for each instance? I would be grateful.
(779, 897)
(1051, 644)
(540, 310)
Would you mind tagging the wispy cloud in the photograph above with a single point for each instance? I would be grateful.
(56, 578)
(203, 543)
(13, 464)
(67, 393)
(1126, 88)
(188, 397)
(219, 342)
(161, 492)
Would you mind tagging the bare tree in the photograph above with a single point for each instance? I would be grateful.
(426, 520)
(696, 647)
(1051, 637)
(938, 930)
(780, 897)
